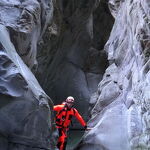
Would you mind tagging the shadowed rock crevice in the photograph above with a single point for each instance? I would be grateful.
(75, 60)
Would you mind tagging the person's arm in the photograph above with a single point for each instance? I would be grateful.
(58, 107)
(80, 119)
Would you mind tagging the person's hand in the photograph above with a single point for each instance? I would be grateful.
(87, 129)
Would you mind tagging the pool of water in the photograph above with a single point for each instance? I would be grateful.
(74, 137)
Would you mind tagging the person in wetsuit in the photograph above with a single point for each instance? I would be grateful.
(65, 112)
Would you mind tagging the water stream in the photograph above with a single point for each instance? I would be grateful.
(74, 137)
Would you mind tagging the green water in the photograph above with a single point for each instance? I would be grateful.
(74, 137)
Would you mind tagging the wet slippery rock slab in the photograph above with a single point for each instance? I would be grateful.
(126, 114)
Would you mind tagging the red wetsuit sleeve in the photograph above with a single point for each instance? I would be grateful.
(80, 119)
(58, 107)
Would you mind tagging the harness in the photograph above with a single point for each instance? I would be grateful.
(60, 118)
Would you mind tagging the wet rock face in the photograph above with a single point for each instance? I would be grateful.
(120, 118)
(75, 60)
(25, 109)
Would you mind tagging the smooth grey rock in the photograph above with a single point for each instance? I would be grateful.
(25, 109)
(120, 117)
(107, 132)
(27, 21)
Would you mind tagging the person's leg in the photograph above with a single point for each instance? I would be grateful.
(59, 138)
(62, 140)
(65, 143)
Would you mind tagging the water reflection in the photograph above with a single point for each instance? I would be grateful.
(74, 137)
